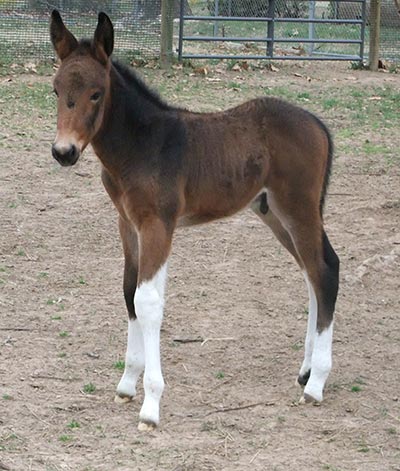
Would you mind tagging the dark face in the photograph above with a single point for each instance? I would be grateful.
(81, 86)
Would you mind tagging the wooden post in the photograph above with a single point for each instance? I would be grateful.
(167, 32)
(374, 34)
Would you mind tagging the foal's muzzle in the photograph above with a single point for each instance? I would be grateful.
(66, 156)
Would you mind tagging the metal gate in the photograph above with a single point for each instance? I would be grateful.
(272, 29)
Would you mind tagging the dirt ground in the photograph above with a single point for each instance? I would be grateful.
(230, 402)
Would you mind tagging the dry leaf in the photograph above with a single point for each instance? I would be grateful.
(201, 71)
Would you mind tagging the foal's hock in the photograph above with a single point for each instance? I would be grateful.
(165, 167)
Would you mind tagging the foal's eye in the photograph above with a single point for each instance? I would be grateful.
(95, 96)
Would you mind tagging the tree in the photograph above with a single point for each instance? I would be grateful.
(151, 10)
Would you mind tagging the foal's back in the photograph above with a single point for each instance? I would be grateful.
(231, 156)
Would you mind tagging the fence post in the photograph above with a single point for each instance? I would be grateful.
(167, 33)
(374, 33)
(311, 26)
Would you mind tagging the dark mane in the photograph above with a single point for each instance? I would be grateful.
(134, 81)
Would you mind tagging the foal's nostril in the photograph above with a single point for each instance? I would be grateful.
(65, 156)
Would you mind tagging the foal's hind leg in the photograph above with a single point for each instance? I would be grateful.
(324, 278)
(261, 208)
(306, 240)
(134, 358)
(321, 266)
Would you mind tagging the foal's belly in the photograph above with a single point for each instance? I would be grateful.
(222, 208)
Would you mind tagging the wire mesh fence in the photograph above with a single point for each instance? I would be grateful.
(390, 25)
(24, 25)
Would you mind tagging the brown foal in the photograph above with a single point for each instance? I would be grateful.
(164, 167)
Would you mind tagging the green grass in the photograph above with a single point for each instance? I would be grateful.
(81, 281)
(89, 388)
(297, 346)
(220, 375)
(73, 424)
(119, 365)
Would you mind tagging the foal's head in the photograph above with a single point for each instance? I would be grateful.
(81, 85)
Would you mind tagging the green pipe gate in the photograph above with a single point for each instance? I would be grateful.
(274, 29)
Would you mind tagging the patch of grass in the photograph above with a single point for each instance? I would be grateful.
(43, 274)
(234, 85)
(119, 365)
(330, 467)
(82, 281)
(73, 424)
(220, 375)
(7, 397)
(329, 103)
(356, 388)
(374, 149)
(62, 355)
(304, 96)
(56, 318)
(65, 438)
(56, 302)
(346, 133)
(21, 253)
(363, 448)
(297, 346)
(63, 334)
(89, 388)
(391, 431)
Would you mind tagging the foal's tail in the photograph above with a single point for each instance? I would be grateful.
(328, 163)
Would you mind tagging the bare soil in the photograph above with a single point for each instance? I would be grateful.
(230, 402)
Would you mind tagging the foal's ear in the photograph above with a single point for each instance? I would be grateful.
(104, 37)
(64, 41)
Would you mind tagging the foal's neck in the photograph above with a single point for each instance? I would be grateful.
(131, 115)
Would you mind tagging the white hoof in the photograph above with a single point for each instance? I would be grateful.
(146, 427)
(122, 399)
(307, 399)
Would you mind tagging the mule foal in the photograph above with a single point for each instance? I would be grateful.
(165, 167)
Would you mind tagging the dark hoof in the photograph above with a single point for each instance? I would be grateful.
(303, 379)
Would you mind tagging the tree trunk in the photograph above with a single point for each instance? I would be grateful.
(374, 34)
(152, 9)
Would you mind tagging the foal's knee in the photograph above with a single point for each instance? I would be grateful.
(148, 305)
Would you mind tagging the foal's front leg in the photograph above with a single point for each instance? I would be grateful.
(134, 358)
(154, 243)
